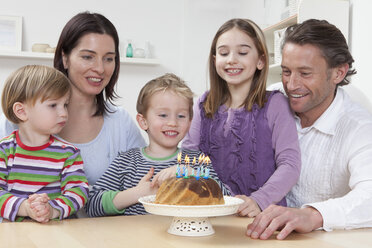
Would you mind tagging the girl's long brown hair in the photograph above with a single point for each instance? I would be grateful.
(219, 92)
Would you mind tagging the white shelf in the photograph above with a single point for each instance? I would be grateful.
(139, 61)
(49, 56)
(334, 11)
(15, 54)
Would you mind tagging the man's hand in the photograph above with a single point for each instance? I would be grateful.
(276, 218)
(249, 208)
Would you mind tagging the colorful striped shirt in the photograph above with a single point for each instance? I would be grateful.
(55, 168)
(125, 172)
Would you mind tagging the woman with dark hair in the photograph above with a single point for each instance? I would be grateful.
(88, 54)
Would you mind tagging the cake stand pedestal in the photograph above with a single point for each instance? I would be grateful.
(191, 220)
(191, 226)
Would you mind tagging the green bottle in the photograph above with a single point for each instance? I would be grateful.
(129, 51)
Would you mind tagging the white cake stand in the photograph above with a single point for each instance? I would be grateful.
(191, 220)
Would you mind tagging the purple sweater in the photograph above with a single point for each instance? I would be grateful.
(284, 150)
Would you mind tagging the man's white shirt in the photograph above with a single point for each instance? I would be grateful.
(336, 171)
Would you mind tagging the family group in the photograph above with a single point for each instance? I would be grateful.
(300, 160)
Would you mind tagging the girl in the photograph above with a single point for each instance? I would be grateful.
(249, 133)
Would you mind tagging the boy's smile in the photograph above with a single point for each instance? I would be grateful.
(166, 121)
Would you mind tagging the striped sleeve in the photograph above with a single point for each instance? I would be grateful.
(111, 181)
(9, 203)
(74, 187)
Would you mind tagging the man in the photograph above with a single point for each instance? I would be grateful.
(335, 135)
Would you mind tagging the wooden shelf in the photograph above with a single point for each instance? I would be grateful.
(334, 11)
(269, 31)
(282, 24)
(49, 56)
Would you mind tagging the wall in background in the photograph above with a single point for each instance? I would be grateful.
(180, 33)
(360, 38)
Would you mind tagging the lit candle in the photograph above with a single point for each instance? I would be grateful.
(187, 163)
(206, 160)
(192, 172)
(179, 158)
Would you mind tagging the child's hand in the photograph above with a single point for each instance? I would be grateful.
(39, 208)
(249, 207)
(43, 198)
(144, 186)
(163, 175)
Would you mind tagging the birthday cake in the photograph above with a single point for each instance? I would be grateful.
(189, 191)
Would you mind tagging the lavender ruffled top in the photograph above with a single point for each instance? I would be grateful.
(255, 153)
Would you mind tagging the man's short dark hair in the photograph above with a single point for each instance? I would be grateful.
(328, 38)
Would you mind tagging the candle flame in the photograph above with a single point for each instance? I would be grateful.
(201, 158)
(194, 161)
(179, 157)
(187, 160)
(207, 160)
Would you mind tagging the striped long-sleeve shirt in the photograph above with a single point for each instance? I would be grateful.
(125, 172)
(55, 168)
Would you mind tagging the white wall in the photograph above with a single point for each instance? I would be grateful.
(180, 31)
(202, 20)
(360, 44)
(157, 21)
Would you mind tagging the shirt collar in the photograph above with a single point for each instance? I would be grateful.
(327, 122)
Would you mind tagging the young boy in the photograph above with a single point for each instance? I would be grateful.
(164, 109)
(41, 176)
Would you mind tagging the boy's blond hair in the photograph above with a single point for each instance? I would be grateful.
(30, 83)
(168, 81)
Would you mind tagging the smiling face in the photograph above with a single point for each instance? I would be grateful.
(307, 80)
(91, 63)
(167, 120)
(237, 58)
